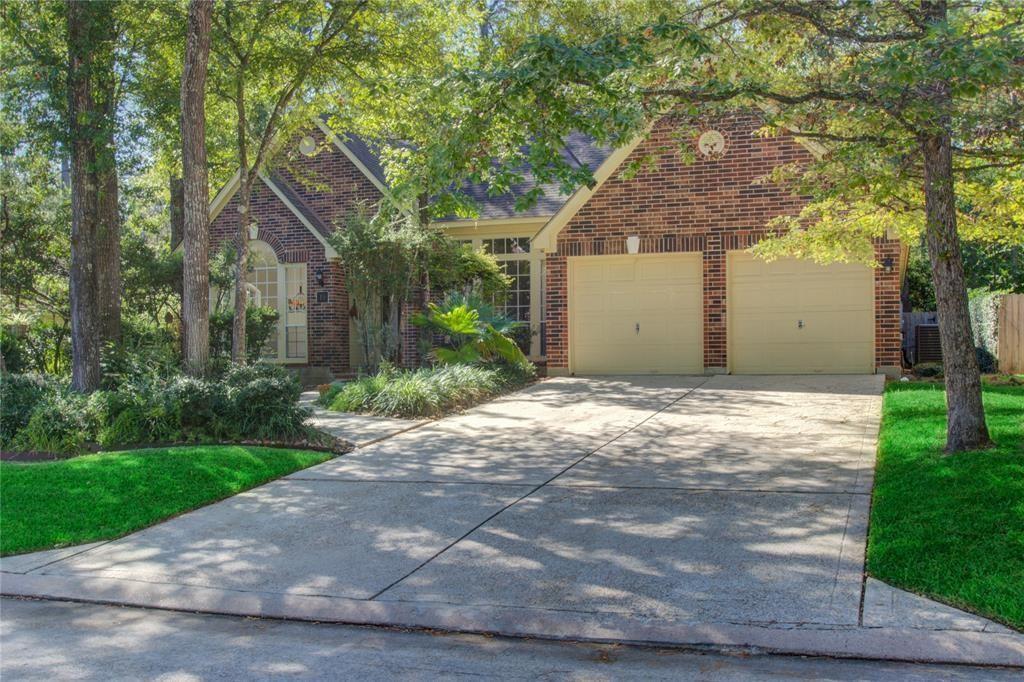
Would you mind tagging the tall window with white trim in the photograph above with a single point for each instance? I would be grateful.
(281, 286)
(263, 274)
(513, 253)
(295, 312)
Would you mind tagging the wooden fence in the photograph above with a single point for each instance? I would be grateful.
(1011, 334)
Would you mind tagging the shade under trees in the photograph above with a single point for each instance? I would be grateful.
(917, 103)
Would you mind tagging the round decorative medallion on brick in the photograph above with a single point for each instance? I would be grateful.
(307, 145)
(711, 144)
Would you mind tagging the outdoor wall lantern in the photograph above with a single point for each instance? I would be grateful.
(887, 264)
(254, 232)
(318, 276)
(633, 244)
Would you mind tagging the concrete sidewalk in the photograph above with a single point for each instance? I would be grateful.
(359, 429)
(45, 640)
(682, 511)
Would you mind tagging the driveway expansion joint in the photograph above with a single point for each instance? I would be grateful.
(688, 392)
(751, 566)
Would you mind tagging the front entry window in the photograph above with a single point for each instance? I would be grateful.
(295, 315)
(281, 286)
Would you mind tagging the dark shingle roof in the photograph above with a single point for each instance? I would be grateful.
(367, 155)
(580, 150)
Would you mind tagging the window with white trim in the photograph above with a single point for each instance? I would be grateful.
(513, 253)
(281, 286)
(295, 312)
(524, 301)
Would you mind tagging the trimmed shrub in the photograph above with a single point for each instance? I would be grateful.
(19, 396)
(62, 421)
(258, 402)
(262, 401)
(984, 309)
(928, 369)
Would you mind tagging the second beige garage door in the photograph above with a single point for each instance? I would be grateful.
(636, 314)
(797, 317)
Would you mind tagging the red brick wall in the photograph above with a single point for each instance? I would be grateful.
(327, 181)
(342, 185)
(711, 206)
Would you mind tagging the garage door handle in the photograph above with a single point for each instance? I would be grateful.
(637, 327)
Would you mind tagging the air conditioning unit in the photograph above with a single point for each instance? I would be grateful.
(929, 347)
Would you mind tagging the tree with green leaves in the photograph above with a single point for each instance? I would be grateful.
(64, 68)
(92, 93)
(384, 254)
(916, 104)
(271, 62)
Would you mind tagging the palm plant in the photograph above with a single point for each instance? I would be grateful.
(472, 331)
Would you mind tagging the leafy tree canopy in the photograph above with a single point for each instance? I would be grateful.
(852, 77)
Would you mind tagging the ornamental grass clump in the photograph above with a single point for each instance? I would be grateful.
(476, 359)
(425, 392)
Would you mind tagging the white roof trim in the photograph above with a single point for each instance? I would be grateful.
(228, 191)
(475, 223)
(224, 195)
(546, 238)
(328, 249)
(333, 137)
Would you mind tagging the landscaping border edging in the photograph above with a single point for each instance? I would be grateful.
(341, 447)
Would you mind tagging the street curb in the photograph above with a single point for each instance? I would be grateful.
(893, 644)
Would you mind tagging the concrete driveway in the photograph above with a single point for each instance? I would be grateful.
(728, 510)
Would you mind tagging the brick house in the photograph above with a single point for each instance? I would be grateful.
(640, 275)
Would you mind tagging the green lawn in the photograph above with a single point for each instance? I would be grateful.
(96, 497)
(951, 527)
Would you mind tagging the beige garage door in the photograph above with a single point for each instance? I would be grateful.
(636, 314)
(797, 317)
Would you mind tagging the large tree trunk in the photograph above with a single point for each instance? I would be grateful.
(242, 240)
(238, 349)
(108, 237)
(108, 231)
(86, 336)
(195, 299)
(966, 429)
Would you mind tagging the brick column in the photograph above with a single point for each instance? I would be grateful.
(714, 304)
(888, 338)
(556, 312)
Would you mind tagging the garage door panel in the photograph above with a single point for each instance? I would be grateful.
(609, 297)
(768, 301)
(589, 273)
(620, 272)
